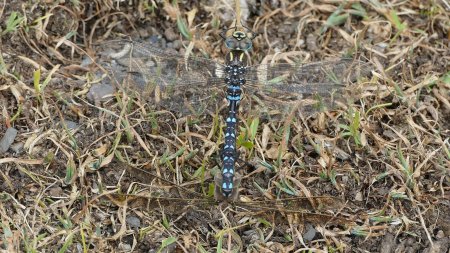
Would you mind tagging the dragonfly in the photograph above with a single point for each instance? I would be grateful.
(190, 84)
(167, 200)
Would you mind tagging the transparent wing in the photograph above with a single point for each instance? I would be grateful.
(314, 86)
(156, 210)
(183, 198)
(298, 206)
(188, 85)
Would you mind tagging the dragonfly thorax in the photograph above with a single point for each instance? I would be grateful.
(234, 80)
(236, 60)
(235, 69)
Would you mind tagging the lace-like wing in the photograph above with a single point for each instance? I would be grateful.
(192, 85)
(188, 85)
(176, 199)
(314, 86)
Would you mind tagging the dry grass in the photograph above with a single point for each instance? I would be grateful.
(65, 189)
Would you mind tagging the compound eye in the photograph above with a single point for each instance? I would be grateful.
(245, 45)
(230, 43)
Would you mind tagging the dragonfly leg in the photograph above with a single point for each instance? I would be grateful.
(245, 164)
(223, 34)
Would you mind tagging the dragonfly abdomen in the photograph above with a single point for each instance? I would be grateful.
(234, 78)
(229, 151)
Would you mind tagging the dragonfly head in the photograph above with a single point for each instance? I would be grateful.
(238, 42)
(240, 39)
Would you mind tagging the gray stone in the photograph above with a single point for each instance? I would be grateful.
(71, 124)
(440, 234)
(177, 44)
(310, 233)
(441, 245)
(79, 247)
(154, 39)
(133, 221)
(7, 139)
(100, 92)
(86, 61)
(388, 243)
(170, 34)
(359, 196)
(125, 247)
(311, 42)
(17, 147)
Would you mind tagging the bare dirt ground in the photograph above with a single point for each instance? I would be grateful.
(74, 167)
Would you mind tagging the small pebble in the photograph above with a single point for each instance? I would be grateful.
(440, 234)
(71, 124)
(359, 197)
(176, 44)
(100, 92)
(170, 34)
(86, 61)
(79, 247)
(56, 192)
(311, 42)
(143, 32)
(7, 139)
(163, 43)
(154, 39)
(125, 247)
(17, 147)
(133, 221)
(388, 243)
(344, 179)
(310, 233)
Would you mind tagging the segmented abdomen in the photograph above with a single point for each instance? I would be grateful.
(234, 77)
